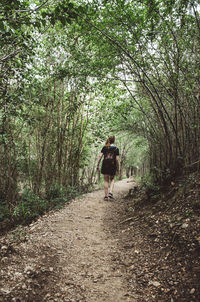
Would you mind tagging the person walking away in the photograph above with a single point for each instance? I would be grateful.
(110, 165)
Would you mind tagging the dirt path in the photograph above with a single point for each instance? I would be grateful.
(69, 256)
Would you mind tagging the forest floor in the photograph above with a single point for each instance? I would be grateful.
(92, 250)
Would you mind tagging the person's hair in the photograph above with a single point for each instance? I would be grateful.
(110, 141)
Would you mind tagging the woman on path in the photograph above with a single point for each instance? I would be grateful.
(110, 165)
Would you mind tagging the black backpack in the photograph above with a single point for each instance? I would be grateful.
(109, 155)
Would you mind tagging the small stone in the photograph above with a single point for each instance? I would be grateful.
(33, 228)
(28, 269)
(18, 275)
(198, 239)
(184, 225)
(6, 291)
(58, 294)
(51, 269)
(154, 283)
(24, 286)
(192, 291)
(29, 281)
(4, 248)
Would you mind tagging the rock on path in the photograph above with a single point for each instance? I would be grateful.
(69, 256)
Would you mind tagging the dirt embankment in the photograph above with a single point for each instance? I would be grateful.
(160, 242)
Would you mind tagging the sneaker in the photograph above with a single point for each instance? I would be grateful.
(110, 195)
(106, 198)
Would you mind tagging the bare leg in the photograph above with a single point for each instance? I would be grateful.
(106, 182)
(111, 183)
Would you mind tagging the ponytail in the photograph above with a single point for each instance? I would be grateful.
(110, 141)
(107, 144)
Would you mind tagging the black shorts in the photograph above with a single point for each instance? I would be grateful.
(108, 168)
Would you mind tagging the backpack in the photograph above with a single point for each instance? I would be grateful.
(110, 155)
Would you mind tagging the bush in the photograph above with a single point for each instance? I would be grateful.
(29, 206)
(4, 211)
(148, 185)
(56, 191)
(59, 195)
(72, 192)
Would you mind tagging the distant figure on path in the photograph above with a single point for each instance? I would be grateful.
(110, 165)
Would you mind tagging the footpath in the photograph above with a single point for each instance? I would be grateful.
(67, 255)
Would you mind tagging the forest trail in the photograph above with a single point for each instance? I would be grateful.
(70, 255)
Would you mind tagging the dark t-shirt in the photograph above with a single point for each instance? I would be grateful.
(104, 150)
(109, 162)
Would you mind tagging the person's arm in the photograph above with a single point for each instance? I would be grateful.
(99, 160)
(117, 162)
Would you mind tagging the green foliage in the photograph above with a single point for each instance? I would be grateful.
(137, 153)
(148, 184)
(29, 207)
(4, 211)
(148, 181)
(56, 191)
(59, 195)
(74, 72)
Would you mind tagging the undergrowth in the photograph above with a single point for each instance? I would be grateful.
(29, 205)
